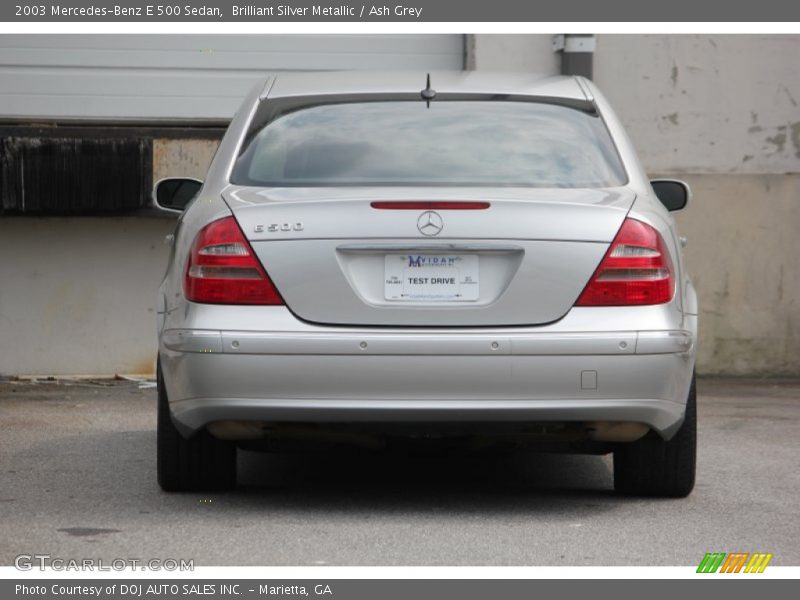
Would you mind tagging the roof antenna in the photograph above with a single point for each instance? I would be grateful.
(428, 93)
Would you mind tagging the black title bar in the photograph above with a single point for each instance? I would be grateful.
(217, 11)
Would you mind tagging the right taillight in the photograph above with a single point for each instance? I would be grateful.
(636, 270)
(223, 269)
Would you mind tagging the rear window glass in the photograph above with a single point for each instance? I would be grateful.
(454, 143)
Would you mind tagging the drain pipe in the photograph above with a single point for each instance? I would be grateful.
(577, 53)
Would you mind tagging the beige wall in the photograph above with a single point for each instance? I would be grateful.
(77, 295)
(182, 158)
(743, 254)
(722, 112)
(706, 103)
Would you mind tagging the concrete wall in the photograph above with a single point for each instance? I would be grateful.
(80, 298)
(182, 158)
(722, 112)
(742, 254)
(78, 294)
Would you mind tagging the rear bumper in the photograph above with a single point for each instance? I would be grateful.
(339, 376)
(436, 344)
(664, 416)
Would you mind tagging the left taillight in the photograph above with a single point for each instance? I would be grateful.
(223, 269)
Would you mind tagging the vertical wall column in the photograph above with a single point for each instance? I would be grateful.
(577, 53)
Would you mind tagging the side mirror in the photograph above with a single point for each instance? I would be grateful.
(673, 193)
(173, 194)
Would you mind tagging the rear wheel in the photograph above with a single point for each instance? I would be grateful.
(200, 463)
(654, 467)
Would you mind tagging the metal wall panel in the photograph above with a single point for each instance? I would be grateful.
(151, 78)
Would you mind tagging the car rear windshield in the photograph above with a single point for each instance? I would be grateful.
(453, 143)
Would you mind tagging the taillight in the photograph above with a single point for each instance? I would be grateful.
(636, 270)
(222, 268)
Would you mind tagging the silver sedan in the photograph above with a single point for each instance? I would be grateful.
(375, 256)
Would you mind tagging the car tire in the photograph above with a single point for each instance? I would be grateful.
(199, 463)
(655, 467)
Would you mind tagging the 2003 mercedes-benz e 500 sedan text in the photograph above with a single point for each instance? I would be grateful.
(381, 255)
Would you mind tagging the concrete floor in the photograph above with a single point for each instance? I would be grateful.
(77, 479)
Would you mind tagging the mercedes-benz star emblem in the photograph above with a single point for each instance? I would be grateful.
(430, 223)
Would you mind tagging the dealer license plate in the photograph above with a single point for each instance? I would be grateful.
(431, 277)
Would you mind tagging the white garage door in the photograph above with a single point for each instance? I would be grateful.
(176, 77)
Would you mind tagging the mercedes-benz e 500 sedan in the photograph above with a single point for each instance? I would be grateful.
(459, 255)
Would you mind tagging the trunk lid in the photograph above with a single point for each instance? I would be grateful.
(336, 259)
